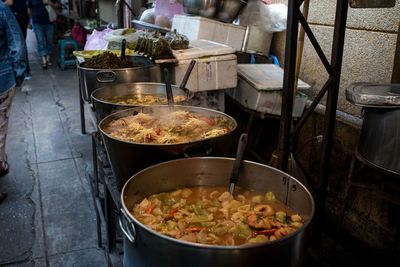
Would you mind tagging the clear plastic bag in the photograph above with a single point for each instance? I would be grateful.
(269, 17)
(115, 37)
(96, 40)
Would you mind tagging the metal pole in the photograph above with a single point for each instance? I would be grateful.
(331, 105)
(82, 109)
(288, 84)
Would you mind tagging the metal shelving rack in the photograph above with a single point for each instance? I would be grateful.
(290, 132)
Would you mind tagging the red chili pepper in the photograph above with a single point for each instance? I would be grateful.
(150, 209)
(210, 122)
(265, 232)
(194, 229)
(158, 131)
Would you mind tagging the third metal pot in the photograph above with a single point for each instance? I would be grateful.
(104, 107)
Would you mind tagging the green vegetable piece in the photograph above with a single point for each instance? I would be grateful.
(270, 196)
(280, 216)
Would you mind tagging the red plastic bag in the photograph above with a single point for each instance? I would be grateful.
(78, 33)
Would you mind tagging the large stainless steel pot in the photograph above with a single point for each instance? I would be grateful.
(380, 138)
(379, 144)
(145, 247)
(104, 107)
(91, 79)
(127, 158)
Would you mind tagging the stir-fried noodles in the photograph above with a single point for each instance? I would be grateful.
(168, 128)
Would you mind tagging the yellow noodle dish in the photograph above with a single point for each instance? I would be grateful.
(210, 215)
(168, 127)
(143, 99)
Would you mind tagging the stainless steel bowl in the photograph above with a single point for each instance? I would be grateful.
(229, 9)
(204, 8)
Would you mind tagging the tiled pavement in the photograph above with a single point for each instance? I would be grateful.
(48, 218)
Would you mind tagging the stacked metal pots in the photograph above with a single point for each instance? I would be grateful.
(141, 169)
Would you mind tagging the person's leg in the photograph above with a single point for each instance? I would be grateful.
(23, 21)
(49, 42)
(5, 108)
(40, 32)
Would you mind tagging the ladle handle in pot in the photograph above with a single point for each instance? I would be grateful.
(239, 158)
(187, 74)
(124, 223)
(168, 88)
(123, 47)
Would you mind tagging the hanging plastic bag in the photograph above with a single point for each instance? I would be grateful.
(269, 17)
(96, 40)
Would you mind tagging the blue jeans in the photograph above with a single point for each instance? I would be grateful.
(44, 36)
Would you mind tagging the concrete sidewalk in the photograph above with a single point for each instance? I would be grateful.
(48, 218)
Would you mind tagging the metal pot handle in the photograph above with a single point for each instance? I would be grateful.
(127, 227)
(106, 76)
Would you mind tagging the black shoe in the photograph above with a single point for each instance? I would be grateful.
(19, 80)
(3, 196)
(4, 168)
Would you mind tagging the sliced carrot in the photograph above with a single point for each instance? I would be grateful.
(150, 209)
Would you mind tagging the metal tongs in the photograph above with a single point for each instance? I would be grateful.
(238, 162)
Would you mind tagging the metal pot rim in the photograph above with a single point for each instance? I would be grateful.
(173, 144)
(81, 67)
(205, 246)
(127, 105)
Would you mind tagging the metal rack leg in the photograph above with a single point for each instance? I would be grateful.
(95, 191)
(82, 110)
(110, 219)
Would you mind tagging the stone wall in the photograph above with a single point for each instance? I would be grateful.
(369, 50)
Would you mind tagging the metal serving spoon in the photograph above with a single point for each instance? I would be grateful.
(238, 162)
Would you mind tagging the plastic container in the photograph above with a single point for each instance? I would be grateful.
(196, 28)
(246, 39)
(260, 88)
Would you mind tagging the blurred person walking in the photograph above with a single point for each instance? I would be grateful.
(12, 47)
(43, 28)
(20, 10)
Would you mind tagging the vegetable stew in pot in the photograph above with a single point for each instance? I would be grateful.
(210, 215)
